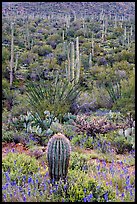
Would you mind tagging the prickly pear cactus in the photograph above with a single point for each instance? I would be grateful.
(58, 154)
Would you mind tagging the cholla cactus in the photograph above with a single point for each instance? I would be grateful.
(58, 154)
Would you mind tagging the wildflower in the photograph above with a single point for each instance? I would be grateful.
(104, 163)
(106, 196)
(128, 180)
(36, 180)
(98, 167)
(13, 150)
(7, 176)
(13, 183)
(24, 178)
(45, 186)
(29, 180)
(65, 187)
(28, 193)
(110, 182)
(117, 190)
(85, 190)
(41, 193)
(131, 193)
(122, 195)
(24, 198)
(85, 199)
(4, 196)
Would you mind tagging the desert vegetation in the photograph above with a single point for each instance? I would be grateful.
(68, 102)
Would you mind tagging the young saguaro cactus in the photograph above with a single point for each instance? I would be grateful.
(58, 155)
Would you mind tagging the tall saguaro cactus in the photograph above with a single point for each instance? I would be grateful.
(58, 154)
(73, 70)
(12, 55)
(72, 61)
(77, 61)
(90, 60)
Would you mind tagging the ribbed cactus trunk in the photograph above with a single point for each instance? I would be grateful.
(125, 33)
(92, 45)
(77, 61)
(58, 154)
(131, 31)
(72, 62)
(12, 55)
(63, 35)
(90, 61)
(68, 70)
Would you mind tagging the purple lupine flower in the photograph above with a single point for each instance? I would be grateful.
(85, 190)
(13, 183)
(29, 193)
(106, 196)
(29, 180)
(117, 190)
(85, 199)
(41, 193)
(45, 186)
(51, 191)
(24, 198)
(4, 196)
(122, 195)
(98, 167)
(13, 150)
(128, 180)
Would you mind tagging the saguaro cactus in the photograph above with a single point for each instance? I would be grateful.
(58, 154)
(77, 61)
(72, 61)
(12, 54)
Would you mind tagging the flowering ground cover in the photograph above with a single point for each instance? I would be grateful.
(117, 174)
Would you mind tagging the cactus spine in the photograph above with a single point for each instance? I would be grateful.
(58, 154)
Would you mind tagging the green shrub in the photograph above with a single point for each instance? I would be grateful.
(7, 136)
(79, 161)
(122, 145)
(19, 165)
(81, 188)
(83, 141)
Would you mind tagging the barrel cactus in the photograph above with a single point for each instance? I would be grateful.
(58, 155)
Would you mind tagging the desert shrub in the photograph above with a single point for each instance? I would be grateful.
(122, 145)
(83, 140)
(81, 188)
(79, 161)
(7, 136)
(42, 50)
(19, 165)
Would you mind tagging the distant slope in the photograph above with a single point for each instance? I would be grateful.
(79, 8)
